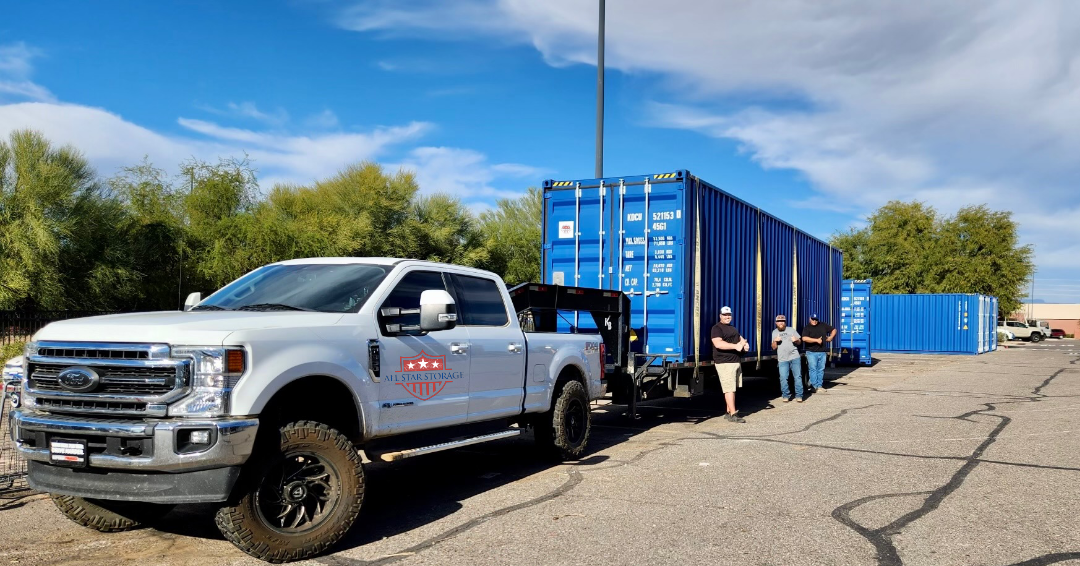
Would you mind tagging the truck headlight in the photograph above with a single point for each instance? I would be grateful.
(214, 372)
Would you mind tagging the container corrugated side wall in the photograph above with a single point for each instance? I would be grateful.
(943, 323)
(737, 238)
(729, 243)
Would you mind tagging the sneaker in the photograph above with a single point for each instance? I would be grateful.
(820, 389)
(734, 417)
(787, 399)
(800, 399)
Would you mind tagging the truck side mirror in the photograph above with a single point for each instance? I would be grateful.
(192, 300)
(437, 310)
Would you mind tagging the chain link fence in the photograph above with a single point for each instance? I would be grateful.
(12, 465)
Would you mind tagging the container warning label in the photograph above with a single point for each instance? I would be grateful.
(566, 229)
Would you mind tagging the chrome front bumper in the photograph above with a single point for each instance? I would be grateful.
(233, 440)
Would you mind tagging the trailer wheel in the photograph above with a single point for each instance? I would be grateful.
(300, 499)
(109, 516)
(564, 430)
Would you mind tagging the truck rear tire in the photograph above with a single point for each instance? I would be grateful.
(564, 430)
(300, 498)
(1036, 337)
(109, 516)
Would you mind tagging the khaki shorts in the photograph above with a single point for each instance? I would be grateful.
(730, 376)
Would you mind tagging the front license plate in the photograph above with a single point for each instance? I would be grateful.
(67, 452)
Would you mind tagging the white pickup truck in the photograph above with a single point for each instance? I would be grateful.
(262, 396)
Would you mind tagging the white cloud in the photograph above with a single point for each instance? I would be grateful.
(324, 120)
(15, 71)
(951, 103)
(110, 141)
(468, 175)
(249, 110)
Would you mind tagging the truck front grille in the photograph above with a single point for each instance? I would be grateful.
(135, 379)
(94, 354)
(79, 406)
(114, 380)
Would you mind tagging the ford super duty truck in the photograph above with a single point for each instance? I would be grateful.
(262, 396)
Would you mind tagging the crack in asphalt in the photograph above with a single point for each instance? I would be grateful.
(1049, 559)
(882, 538)
(575, 478)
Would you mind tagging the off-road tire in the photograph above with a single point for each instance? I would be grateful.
(109, 516)
(564, 430)
(1036, 337)
(244, 525)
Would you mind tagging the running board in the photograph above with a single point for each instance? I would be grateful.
(402, 454)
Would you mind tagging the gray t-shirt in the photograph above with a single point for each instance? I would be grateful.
(787, 350)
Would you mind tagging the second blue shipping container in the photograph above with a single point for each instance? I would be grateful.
(855, 322)
(933, 324)
(681, 249)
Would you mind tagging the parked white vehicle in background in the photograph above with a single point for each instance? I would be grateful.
(1022, 331)
(10, 380)
(12, 369)
(260, 396)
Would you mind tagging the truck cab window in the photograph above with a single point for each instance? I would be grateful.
(481, 302)
(406, 295)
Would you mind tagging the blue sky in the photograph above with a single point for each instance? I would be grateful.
(819, 114)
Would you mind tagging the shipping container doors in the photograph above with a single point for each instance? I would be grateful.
(627, 236)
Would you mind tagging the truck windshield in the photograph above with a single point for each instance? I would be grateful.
(300, 287)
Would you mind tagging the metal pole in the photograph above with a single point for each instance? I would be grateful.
(600, 97)
(180, 276)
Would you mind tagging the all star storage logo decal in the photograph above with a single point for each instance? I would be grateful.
(424, 376)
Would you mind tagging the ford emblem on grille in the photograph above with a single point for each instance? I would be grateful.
(79, 379)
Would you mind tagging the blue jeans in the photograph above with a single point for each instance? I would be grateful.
(816, 363)
(794, 367)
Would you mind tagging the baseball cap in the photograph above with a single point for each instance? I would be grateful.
(813, 317)
(781, 318)
(725, 310)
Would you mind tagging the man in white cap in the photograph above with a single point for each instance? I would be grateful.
(784, 341)
(727, 349)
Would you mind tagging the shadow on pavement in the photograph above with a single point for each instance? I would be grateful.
(409, 494)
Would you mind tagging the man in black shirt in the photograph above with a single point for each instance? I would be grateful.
(727, 349)
(815, 336)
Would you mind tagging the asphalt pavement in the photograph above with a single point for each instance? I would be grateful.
(918, 459)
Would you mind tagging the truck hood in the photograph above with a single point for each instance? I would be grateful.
(173, 327)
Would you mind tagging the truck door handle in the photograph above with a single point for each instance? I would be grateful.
(514, 348)
(459, 348)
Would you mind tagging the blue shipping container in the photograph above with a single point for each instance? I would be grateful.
(682, 248)
(935, 324)
(855, 321)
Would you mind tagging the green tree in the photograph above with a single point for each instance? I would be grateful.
(980, 252)
(59, 246)
(439, 228)
(908, 248)
(512, 235)
(217, 216)
(154, 234)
